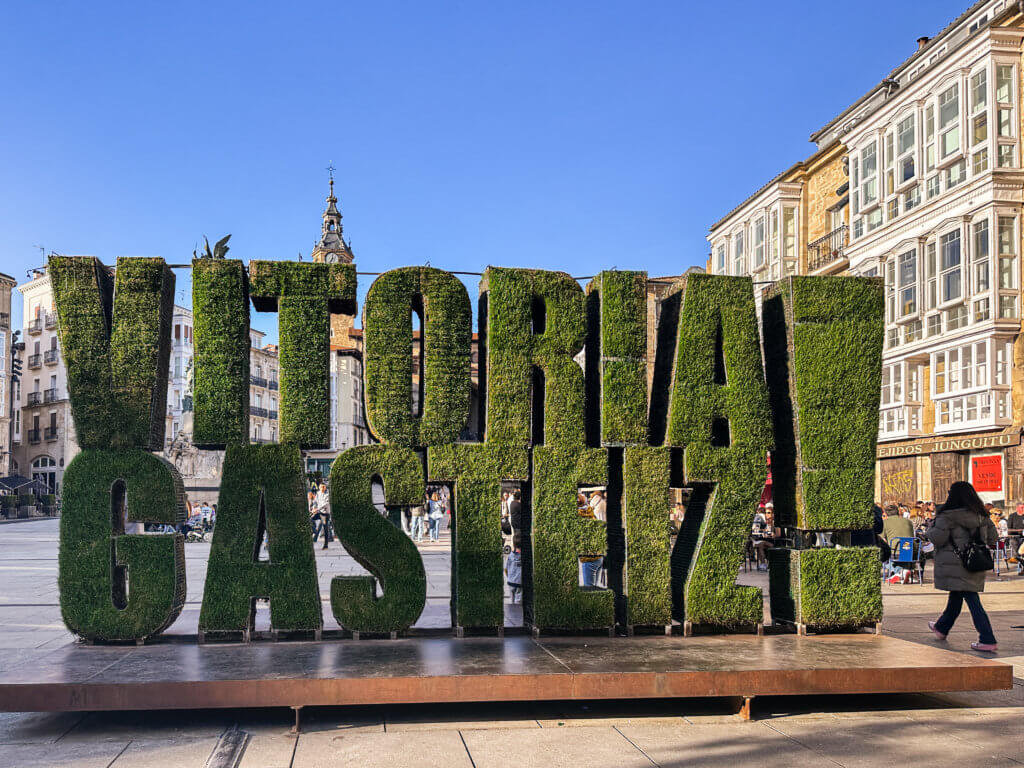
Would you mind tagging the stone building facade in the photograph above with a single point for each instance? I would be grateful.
(7, 406)
(919, 182)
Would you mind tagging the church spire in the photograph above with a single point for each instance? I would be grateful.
(332, 246)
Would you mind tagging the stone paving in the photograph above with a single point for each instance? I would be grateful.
(960, 730)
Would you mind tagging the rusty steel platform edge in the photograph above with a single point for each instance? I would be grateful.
(978, 675)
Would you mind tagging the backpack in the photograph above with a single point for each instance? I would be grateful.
(974, 555)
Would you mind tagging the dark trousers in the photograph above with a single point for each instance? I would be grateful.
(955, 603)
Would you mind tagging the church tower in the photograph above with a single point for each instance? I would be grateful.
(332, 249)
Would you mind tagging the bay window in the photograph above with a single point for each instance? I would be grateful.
(869, 175)
(759, 242)
(907, 271)
(720, 265)
(1008, 280)
(789, 233)
(980, 256)
(979, 91)
(905, 136)
(949, 120)
(950, 266)
(738, 260)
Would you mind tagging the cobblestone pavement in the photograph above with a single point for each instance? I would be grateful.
(959, 730)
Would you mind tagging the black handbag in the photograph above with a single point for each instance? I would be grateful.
(975, 555)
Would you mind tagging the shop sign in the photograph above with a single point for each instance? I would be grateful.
(947, 444)
(987, 473)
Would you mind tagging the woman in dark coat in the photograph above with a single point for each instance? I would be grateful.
(955, 525)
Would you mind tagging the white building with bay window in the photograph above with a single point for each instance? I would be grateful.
(935, 202)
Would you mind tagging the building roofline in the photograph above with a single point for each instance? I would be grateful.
(921, 52)
(802, 164)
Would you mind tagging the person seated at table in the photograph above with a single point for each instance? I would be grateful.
(766, 540)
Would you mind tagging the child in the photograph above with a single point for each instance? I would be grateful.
(514, 568)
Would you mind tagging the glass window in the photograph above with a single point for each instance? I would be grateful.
(935, 325)
(868, 173)
(956, 318)
(874, 219)
(789, 233)
(982, 310)
(979, 162)
(933, 187)
(905, 135)
(774, 236)
(912, 198)
(1004, 84)
(980, 129)
(893, 208)
(1007, 307)
(955, 174)
(979, 90)
(1006, 122)
(758, 242)
(1007, 156)
(950, 265)
(949, 115)
(980, 256)
(738, 261)
(908, 283)
(721, 260)
(931, 273)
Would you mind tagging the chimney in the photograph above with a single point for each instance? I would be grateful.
(922, 42)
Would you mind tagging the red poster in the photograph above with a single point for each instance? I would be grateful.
(987, 473)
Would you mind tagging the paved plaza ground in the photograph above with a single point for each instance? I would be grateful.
(962, 730)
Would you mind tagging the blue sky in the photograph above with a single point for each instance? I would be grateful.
(575, 135)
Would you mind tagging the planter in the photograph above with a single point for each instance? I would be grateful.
(25, 512)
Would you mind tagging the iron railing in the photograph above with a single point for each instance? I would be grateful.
(828, 249)
(35, 361)
(50, 356)
(50, 433)
(50, 395)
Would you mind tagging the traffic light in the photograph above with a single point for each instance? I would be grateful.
(15, 366)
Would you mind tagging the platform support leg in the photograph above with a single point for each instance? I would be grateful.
(668, 630)
(460, 631)
(687, 629)
(501, 632)
(629, 630)
(611, 631)
(801, 629)
(744, 712)
(878, 627)
(759, 630)
(355, 634)
(394, 635)
(298, 723)
(318, 634)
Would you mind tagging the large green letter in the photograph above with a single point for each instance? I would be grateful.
(304, 295)
(115, 586)
(376, 544)
(116, 347)
(519, 352)
(262, 491)
(719, 414)
(220, 307)
(823, 355)
(447, 333)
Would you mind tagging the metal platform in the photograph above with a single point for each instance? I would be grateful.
(422, 670)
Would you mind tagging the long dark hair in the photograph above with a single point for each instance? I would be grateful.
(963, 496)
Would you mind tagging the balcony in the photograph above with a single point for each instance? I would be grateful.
(34, 436)
(50, 433)
(271, 414)
(828, 249)
(35, 361)
(50, 395)
(258, 381)
(51, 356)
(50, 320)
(35, 398)
(257, 411)
(35, 327)
(272, 384)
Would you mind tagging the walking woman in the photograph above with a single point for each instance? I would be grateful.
(960, 521)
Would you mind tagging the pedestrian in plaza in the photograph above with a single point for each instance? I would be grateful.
(514, 568)
(1015, 528)
(961, 522)
(435, 513)
(416, 523)
(599, 506)
(515, 511)
(314, 514)
(323, 503)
